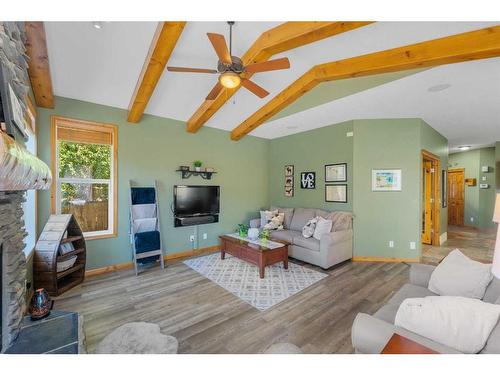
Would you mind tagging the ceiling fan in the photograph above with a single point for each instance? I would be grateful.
(230, 68)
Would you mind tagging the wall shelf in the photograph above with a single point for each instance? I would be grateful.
(188, 173)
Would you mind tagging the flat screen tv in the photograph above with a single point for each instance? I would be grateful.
(192, 201)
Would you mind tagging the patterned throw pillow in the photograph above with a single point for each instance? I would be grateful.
(308, 229)
(276, 222)
(266, 216)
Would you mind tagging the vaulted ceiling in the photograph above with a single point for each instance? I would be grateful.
(103, 65)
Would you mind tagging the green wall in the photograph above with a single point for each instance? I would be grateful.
(497, 165)
(153, 149)
(381, 217)
(479, 203)
(309, 152)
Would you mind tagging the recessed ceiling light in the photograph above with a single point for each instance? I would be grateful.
(464, 148)
(291, 127)
(97, 25)
(440, 87)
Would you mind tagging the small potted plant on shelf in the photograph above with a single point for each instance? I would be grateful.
(197, 165)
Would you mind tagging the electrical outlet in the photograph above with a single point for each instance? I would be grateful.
(349, 134)
(205, 236)
(191, 238)
(391, 243)
(413, 245)
(471, 219)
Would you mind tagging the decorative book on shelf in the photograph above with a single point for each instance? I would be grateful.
(60, 254)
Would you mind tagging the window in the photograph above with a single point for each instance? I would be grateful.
(84, 170)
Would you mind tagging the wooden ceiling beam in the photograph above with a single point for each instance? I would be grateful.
(164, 40)
(473, 45)
(38, 64)
(282, 38)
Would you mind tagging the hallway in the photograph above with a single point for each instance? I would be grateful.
(475, 243)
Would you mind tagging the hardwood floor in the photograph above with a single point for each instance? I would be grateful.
(476, 244)
(205, 318)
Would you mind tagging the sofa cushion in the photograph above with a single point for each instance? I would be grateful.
(309, 243)
(492, 294)
(300, 217)
(284, 235)
(458, 275)
(288, 215)
(341, 220)
(409, 291)
(493, 344)
(387, 313)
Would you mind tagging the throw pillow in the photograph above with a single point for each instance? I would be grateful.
(458, 275)
(322, 226)
(266, 216)
(276, 222)
(464, 324)
(308, 229)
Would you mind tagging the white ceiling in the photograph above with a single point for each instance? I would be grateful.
(102, 66)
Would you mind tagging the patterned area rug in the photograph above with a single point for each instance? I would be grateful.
(242, 279)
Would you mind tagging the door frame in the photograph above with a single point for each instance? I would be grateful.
(435, 195)
(462, 170)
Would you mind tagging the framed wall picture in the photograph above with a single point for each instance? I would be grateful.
(289, 180)
(308, 180)
(336, 193)
(336, 172)
(444, 188)
(386, 180)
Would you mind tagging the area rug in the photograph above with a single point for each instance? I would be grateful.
(242, 279)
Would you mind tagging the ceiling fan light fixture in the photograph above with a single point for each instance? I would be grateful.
(229, 80)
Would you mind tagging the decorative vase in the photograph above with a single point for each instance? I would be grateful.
(40, 304)
(197, 169)
(253, 233)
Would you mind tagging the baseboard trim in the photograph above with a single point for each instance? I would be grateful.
(128, 265)
(387, 260)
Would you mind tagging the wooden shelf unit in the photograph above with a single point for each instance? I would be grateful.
(59, 229)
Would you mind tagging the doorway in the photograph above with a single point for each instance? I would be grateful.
(431, 166)
(456, 196)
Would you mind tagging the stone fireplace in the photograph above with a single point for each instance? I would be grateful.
(13, 264)
(19, 171)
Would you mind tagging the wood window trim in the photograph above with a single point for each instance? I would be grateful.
(88, 125)
(436, 193)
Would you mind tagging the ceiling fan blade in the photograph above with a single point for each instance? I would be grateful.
(212, 95)
(255, 88)
(220, 46)
(267, 66)
(189, 70)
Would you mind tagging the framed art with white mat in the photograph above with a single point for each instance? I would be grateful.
(336, 193)
(336, 172)
(386, 180)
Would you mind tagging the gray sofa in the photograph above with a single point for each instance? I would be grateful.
(371, 333)
(332, 248)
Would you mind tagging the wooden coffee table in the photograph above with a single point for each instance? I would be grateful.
(401, 345)
(259, 255)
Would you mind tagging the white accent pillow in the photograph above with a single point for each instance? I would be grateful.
(322, 226)
(308, 229)
(464, 324)
(266, 216)
(458, 275)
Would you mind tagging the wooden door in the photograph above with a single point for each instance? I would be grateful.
(456, 192)
(427, 202)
